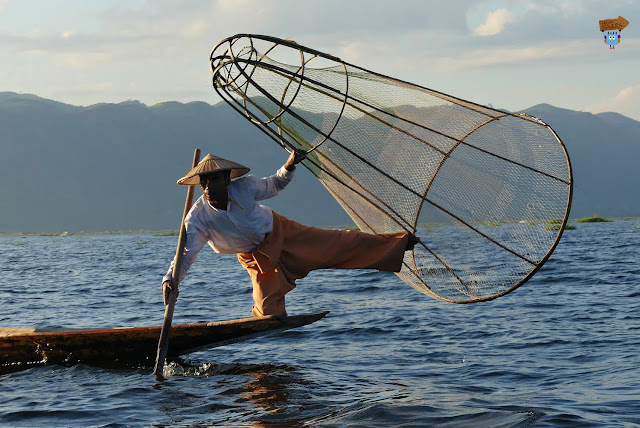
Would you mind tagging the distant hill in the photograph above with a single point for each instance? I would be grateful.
(604, 150)
(114, 166)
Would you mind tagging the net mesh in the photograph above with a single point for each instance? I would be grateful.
(488, 192)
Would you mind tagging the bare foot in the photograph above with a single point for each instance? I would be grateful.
(413, 240)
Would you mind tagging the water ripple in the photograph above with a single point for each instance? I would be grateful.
(560, 351)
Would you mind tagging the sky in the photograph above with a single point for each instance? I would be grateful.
(510, 54)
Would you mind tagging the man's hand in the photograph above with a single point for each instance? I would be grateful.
(166, 289)
(295, 157)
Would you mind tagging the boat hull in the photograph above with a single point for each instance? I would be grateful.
(133, 345)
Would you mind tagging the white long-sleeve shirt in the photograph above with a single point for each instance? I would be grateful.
(240, 228)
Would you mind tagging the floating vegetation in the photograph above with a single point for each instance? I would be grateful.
(557, 227)
(594, 219)
(432, 226)
(167, 233)
(142, 242)
(552, 222)
(19, 243)
(480, 224)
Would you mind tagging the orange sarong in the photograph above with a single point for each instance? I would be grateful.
(292, 250)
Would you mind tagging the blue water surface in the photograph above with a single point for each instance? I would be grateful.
(562, 350)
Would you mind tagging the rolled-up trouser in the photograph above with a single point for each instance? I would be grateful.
(292, 250)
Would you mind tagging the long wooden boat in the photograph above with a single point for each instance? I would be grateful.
(20, 347)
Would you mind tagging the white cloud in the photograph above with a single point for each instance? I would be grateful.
(196, 28)
(555, 7)
(162, 44)
(351, 52)
(626, 101)
(498, 56)
(494, 23)
(84, 59)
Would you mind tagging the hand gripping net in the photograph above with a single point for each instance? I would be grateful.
(487, 191)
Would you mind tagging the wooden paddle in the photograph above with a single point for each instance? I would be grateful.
(163, 343)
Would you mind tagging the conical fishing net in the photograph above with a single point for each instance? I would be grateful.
(488, 192)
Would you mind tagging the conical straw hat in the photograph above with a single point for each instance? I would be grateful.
(209, 164)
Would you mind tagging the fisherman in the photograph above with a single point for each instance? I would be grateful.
(274, 250)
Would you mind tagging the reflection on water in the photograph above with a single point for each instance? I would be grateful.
(242, 390)
(268, 390)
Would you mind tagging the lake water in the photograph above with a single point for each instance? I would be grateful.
(562, 350)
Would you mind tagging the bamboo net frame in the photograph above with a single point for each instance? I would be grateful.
(488, 191)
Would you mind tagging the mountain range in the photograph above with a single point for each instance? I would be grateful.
(109, 167)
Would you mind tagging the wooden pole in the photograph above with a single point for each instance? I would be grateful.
(163, 343)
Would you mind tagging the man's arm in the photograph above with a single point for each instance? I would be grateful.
(195, 242)
(268, 187)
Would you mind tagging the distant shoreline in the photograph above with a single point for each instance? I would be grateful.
(168, 232)
(108, 232)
